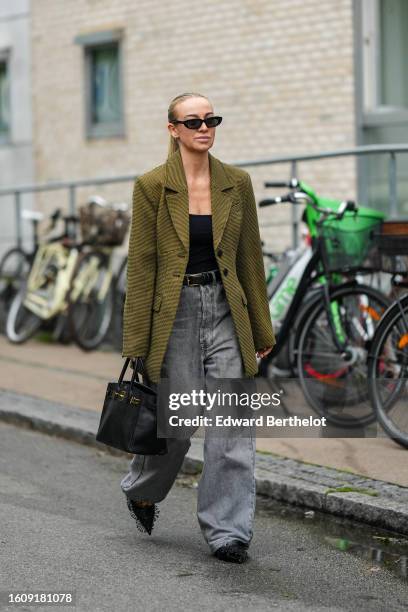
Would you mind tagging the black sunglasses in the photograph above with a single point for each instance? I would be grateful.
(195, 124)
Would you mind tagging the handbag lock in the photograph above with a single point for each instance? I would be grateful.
(120, 394)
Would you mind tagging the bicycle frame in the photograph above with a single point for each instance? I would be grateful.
(37, 300)
(306, 281)
(87, 278)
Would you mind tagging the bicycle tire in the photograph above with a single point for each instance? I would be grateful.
(333, 392)
(61, 331)
(119, 304)
(286, 358)
(313, 297)
(17, 307)
(383, 409)
(12, 274)
(89, 330)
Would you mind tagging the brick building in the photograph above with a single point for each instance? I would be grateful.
(288, 76)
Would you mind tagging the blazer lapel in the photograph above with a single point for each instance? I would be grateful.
(178, 200)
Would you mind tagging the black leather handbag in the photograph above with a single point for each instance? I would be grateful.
(129, 416)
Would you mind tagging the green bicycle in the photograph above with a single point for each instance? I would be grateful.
(329, 332)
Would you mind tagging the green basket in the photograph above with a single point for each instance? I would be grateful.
(349, 243)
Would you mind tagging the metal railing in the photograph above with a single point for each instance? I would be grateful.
(71, 186)
(391, 150)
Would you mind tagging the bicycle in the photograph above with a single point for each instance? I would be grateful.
(120, 296)
(93, 288)
(17, 261)
(329, 332)
(271, 262)
(41, 295)
(282, 278)
(72, 279)
(388, 358)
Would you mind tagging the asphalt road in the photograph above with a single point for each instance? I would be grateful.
(64, 526)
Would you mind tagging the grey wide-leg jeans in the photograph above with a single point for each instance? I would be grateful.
(203, 342)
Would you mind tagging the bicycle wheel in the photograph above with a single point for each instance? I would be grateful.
(91, 300)
(14, 268)
(388, 372)
(61, 330)
(120, 295)
(284, 364)
(21, 323)
(335, 383)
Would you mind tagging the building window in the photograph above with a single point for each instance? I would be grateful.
(385, 49)
(383, 101)
(4, 100)
(103, 84)
(393, 53)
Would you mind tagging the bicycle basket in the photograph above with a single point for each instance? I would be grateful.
(392, 247)
(349, 243)
(103, 225)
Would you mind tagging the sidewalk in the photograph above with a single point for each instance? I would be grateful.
(70, 376)
(60, 390)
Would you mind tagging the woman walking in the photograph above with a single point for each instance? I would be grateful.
(196, 306)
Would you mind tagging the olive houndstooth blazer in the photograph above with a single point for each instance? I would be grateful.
(159, 252)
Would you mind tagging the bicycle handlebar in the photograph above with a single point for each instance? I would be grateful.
(293, 197)
(291, 184)
(275, 184)
(277, 200)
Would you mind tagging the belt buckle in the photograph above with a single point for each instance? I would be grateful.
(189, 283)
(208, 275)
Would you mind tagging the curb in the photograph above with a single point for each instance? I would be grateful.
(374, 502)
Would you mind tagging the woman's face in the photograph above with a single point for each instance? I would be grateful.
(194, 140)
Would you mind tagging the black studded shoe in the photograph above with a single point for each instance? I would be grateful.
(145, 516)
(234, 552)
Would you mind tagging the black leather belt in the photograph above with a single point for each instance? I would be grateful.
(201, 278)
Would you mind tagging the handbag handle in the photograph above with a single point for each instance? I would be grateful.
(135, 370)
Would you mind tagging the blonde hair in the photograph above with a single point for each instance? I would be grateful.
(171, 116)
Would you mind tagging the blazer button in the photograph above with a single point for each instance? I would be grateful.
(225, 271)
(219, 252)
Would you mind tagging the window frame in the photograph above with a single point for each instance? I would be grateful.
(5, 137)
(373, 112)
(89, 43)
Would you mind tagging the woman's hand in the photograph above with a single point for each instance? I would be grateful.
(264, 352)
